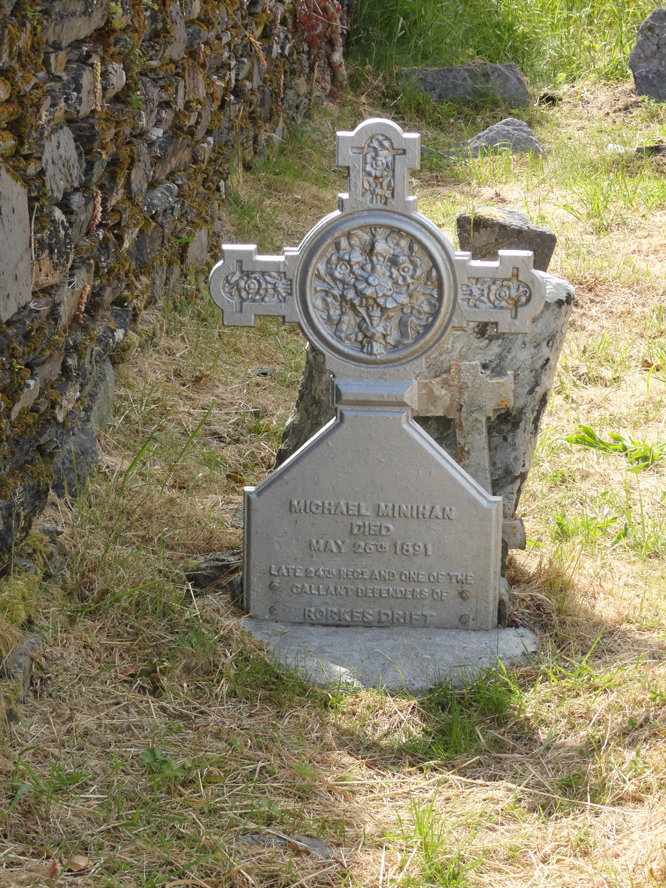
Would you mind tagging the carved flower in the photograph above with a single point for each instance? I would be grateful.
(251, 286)
(475, 291)
(406, 269)
(378, 157)
(340, 266)
(373, 283)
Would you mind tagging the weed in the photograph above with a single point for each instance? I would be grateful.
(641, 454)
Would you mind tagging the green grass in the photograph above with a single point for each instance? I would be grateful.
(553, 41)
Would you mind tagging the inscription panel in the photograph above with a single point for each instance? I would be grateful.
(339, 552)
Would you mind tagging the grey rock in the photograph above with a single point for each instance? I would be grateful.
(176, 49)
(79, 209)
(18, 663)
(145, 247)
(113, 81)
(195, 85)
(24, 501)
(73, 464)
(72, 292)
(172, 154)
(394, 659)
(79, 92)
(471, 83)
(489, 229)
(63, 169)
(647, 59)
(509, 134)
(197, 249)
(300, 843)
(99, 409)
(70, 20)
(220, 568)
(15, 268)
(512, 435)
(150, 96)
(160, 199)
(141, 170)
(43, 376)
(54, 249)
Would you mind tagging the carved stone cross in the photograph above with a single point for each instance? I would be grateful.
(371, 522)
(382, 292)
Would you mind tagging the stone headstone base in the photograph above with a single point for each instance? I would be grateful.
(393, 659)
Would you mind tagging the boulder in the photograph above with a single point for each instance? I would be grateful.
(512, 435)
(647, 59)
(488, 229)
(507, 135)
(471, 83)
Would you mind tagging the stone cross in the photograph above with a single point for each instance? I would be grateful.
(468, 396)
(371, 523)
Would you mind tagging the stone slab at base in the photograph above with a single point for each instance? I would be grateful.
(393, 659)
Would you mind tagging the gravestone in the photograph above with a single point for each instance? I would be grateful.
(371, 529)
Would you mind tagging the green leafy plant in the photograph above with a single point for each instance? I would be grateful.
(159, 764)
(641, 454)
(115, 13)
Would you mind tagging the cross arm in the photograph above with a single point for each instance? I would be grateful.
(245, 285)
(509, 292)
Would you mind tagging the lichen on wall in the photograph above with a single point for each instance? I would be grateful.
(120, 121)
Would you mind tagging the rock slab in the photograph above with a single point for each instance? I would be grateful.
(472, 83)
(15, 267)
(508, 135)
(647, 59)
(394, 659)
(489, 229)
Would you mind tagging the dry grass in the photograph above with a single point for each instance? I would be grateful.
(160, 748)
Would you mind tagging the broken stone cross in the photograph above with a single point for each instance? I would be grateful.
(469, 397)
(371, 523)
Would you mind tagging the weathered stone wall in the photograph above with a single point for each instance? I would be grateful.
(120, 121)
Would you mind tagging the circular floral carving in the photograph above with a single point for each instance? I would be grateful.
(376, 290)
